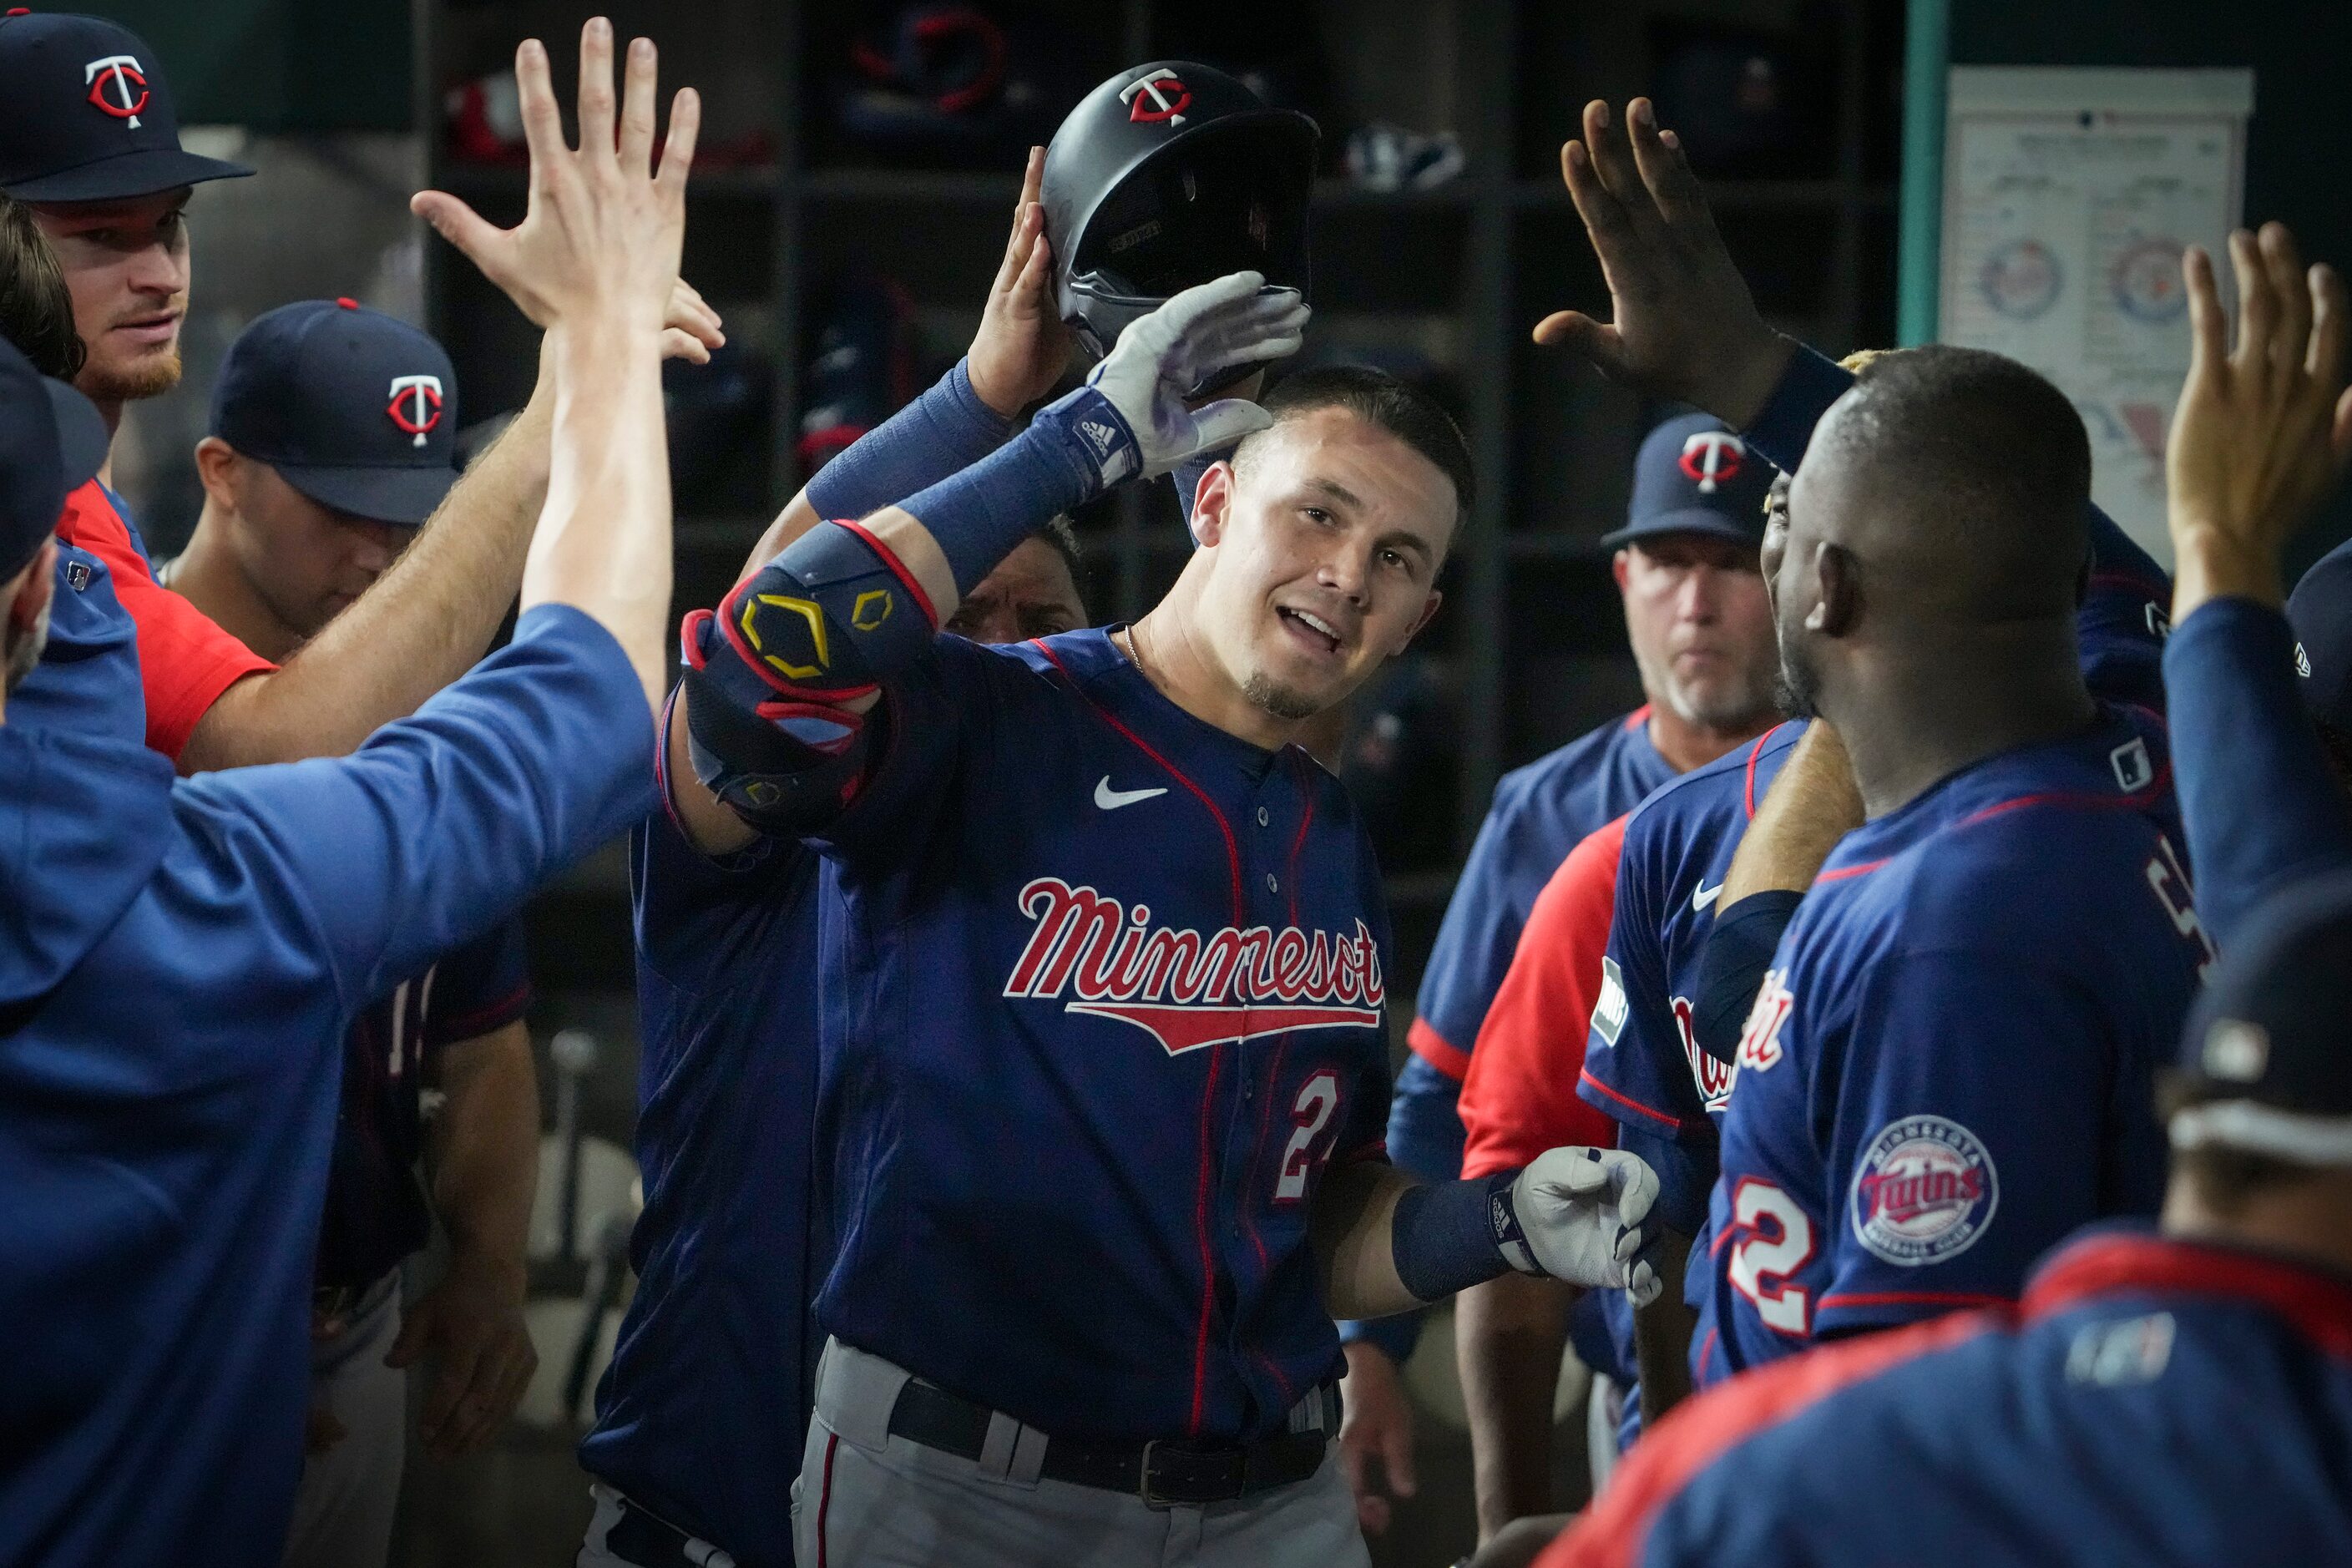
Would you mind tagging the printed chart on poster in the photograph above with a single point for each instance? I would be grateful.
(2069, 195)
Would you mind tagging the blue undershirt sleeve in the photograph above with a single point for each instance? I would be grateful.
(2260, 805)
(944, 431)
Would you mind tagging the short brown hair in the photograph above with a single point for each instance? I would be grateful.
(36, 310)
(1395, 405)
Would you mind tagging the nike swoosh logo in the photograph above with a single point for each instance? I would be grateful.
(1111, 799)
(1703, 896)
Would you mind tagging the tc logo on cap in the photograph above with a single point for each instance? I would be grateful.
(1167, 97)
(1712, 456)
(117, 85)
(415, 404)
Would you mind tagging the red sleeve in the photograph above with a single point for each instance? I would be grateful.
(1519, 1097)
(185, 662)
(1614, 1531)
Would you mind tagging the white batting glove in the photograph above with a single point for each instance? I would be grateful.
(1129, 420)
(1584, 1216)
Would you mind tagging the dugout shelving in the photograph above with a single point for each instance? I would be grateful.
(1531, 644)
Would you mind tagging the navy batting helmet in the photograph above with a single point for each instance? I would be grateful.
(1170, 174)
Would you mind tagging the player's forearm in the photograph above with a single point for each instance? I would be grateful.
(1349, 1229)
(1812, 805)
(486, 1149)
(1508, 1335)
(425, 624)
(1662, 1335)
(602, 543)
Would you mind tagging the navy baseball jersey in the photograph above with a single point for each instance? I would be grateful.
(1951, 1062)
(2159, 1402)
(1541, 813)
(163, 1150)
(1103, 993)
(376, 1211)
(1642, 1065)
(702, 1414)
(87, 679)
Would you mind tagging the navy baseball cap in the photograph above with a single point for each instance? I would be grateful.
(52, 442)
(2320, 611)
(85, 116)
(356, 409)
(1694, 475)
(2268, 1049)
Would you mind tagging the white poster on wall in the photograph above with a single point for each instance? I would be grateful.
(2069, 195)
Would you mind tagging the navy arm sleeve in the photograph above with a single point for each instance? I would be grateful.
(442, 824)
(2261, 806)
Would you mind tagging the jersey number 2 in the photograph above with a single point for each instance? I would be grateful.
(1762, 1263)
(1318, 1097)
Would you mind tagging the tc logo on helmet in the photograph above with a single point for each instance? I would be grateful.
(1711, 457)
(415, 404)
(117, 85)
(1162, 96)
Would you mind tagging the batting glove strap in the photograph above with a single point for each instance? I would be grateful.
(1503, 1224)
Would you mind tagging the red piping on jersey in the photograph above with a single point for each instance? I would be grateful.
(1913, 1299)
(661, 763)
(1615, 1528)
(2076, 800)
(2068, 800)
(2319, 1307)
(1209, 1090)
(1673, 1122)
(1377, 1149)
(825, 1496)
(1265, 1117)
(1706, 1349)
(1638, 717)
(1208, 1260)
(1755, 755)
(898, 568)
(1434, 1048)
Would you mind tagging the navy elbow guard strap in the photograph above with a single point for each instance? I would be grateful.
(1732, 967)
(1447, 1237)
(768, 671)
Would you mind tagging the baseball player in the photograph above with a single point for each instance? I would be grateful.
(1901, 1207)
(1103, 977)
(733, 1241)
(2260, 433)
(2176, 1399)
(89, 142)
(1697, 618)
(156, 1262)
(1699, 625)
(313, 488)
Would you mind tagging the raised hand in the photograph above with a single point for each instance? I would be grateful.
(1022, 345)
(602, 233)
(1684, 325)
(1130, 419)
(2260, 433)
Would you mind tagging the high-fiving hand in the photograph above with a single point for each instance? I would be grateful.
(1022, 345)
(2260, 434)
(1684, 326)
(602, 236)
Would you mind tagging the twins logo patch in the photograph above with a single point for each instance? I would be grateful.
(1924, 1192)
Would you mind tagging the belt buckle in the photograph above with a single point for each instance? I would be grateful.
(1214, 1478)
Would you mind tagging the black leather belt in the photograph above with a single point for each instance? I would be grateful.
(645, 1540)
(1163, 1472)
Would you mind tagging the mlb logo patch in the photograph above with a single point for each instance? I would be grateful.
(77, 575)
(1609, 1013)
